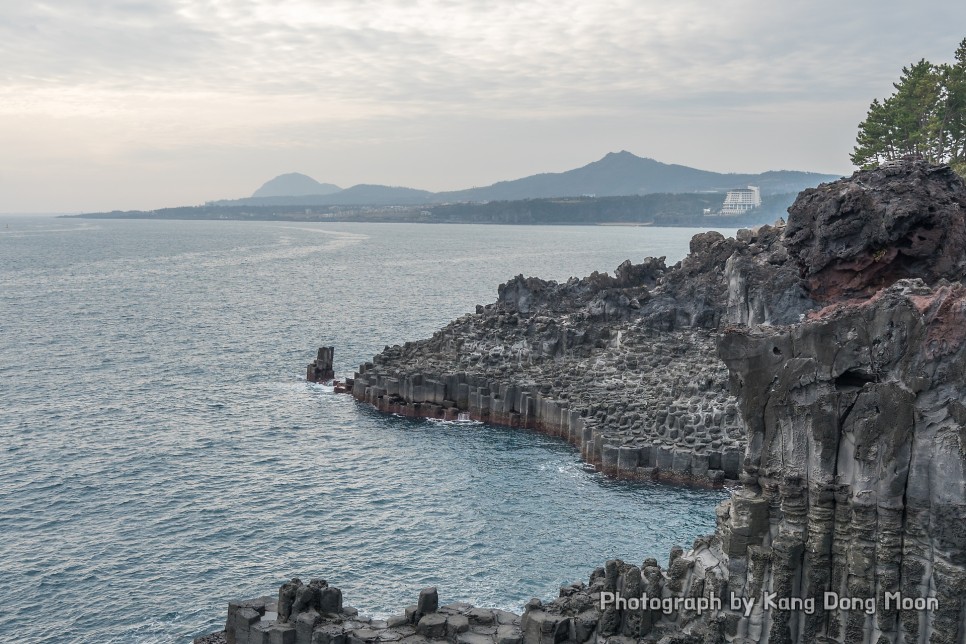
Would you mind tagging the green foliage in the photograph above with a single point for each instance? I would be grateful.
(925, 116)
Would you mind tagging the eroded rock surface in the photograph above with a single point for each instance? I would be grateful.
(903, 220)
(854, 472)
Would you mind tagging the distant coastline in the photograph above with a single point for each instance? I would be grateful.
(658, 209)
(618, 189)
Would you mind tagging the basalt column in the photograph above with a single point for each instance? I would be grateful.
(320, 369)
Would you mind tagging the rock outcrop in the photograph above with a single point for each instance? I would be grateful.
(320, 369)
(842, 337)
(313, 614)
(856, 236)
(624, 367)
(854, 473)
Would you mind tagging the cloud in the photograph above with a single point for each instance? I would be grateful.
(137, 78)
(440, 51)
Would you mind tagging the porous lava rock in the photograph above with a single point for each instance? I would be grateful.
(855, 236)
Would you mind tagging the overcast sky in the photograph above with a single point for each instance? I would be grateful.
(145, 103)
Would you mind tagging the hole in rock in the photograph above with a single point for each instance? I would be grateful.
(853, 379)
(776, 351)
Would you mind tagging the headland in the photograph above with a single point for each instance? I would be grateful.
(821, 362)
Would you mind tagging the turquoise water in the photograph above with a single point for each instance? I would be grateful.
(160, 453)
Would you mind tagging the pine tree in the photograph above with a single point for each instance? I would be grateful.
(914, 108)
(926, 115)
(874, 143)
(956, 110)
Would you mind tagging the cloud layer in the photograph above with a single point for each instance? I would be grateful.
(127, 103)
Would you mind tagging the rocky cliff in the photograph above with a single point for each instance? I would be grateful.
(622, 366)
(842, 338)
(854, 471)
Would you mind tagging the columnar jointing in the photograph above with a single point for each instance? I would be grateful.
(686, 431)
(320, 369)
(624, 367)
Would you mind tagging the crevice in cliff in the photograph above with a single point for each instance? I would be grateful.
(853, 380)
(830, 625)
(902, 534)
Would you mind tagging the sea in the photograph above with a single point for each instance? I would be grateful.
(161, 453)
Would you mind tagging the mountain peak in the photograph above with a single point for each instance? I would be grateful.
(294, 184)
(623, 154)
(625, 158)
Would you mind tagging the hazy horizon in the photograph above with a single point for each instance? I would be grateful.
(120, 104)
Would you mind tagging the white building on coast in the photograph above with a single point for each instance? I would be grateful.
(740, 201)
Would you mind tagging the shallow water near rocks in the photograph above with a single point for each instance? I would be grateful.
(161, 454)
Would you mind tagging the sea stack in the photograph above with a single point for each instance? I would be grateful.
(320, 369)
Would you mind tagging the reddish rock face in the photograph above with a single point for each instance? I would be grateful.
(855, 236)
(946, 307)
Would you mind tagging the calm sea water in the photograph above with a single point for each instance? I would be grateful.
(160, 453)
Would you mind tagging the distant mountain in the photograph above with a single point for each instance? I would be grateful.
(623, 173)
(294, 184)
(617, 174)
(376, 195)
(360, 195)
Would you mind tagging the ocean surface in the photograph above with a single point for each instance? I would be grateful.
(161, 454)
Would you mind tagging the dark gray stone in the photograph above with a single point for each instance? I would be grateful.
(432, 626)
(509, 634)
(428, 600)
(330, 600)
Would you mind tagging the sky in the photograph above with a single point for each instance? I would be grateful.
(140, 104)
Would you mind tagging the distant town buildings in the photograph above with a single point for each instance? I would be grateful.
(740, 201)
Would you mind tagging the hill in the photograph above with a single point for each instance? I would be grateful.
(294, 184)
(623, 173)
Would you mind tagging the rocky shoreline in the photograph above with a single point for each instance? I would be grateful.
(820, 362)
(642, 409)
